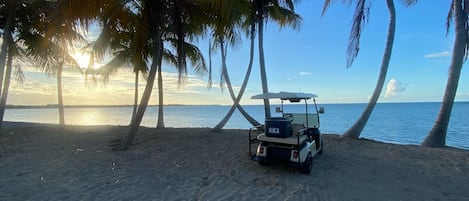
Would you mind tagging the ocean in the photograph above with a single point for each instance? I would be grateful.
(400, 123)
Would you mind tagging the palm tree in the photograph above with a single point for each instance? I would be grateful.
(31, 28)
(359, 19)
(224, 28)
(437, 135)
(50, 45)
(161, 21)
(124, 44)
(253, 13)
(6, 86)
(52, 57)
(8, 12)
(281, 12)
(185, 21)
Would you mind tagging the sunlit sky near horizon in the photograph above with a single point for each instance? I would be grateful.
(310, 59)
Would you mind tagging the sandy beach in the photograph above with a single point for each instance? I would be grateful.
(46, 162)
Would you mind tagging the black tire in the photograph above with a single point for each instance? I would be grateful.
(307, 166)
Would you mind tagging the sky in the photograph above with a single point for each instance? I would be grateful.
(309, 59)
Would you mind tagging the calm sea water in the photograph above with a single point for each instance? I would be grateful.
(402, 123)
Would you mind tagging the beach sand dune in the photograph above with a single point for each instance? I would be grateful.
(45, 162)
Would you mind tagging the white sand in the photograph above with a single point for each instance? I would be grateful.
(44, 162)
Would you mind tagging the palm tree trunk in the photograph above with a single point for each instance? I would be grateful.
(355, 131)
(160, 123)
(260, 23)
(6, 86)
(236, 100)
(60, 95)
(265, 89)
(134, 110)
(134, 125)
(5, 45)
(437, 135)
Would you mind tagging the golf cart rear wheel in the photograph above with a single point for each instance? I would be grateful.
(307, 165)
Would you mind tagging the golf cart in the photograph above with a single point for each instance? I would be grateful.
(293, 138)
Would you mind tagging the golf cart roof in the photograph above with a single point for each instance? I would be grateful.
(293, 97)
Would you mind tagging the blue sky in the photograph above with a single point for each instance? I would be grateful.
(310, 59)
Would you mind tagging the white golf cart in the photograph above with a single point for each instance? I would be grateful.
(292, 138)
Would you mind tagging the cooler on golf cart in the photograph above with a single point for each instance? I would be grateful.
(293, 138)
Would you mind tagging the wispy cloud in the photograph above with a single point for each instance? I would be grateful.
(305, 73)
(394, 88)
(438, 54)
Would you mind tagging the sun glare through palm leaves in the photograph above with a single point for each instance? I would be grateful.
(83, 59)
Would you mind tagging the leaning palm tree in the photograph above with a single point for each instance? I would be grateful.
(229, 19)
(251, 14)
(359, 19)
(459, 11)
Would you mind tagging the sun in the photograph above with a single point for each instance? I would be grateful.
(83, 59)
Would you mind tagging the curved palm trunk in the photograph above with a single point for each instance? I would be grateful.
(237, 99)
(60, 95)
(246, 78)
(134, 125)
(6, 44)
(437, 135)
(265, 88)
(134, 110)
(355, 131)
(160, 123)
(6, 87)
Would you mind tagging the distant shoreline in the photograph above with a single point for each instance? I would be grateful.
(185, 105)
(88, 106)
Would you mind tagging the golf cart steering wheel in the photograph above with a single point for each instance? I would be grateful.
(289, 116)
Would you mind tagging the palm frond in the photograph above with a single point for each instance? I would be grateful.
(449, 17)
(210, 81)
(359, 20)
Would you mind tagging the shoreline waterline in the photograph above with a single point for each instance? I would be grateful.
(399, 123)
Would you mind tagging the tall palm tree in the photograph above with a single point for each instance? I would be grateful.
(6, 86)
(8, 11)
(160, 22)
(359, 19)
(185, 21)
(459, 10)
(30, 21)
(124, 43)
(281, 12)
(50, 44)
